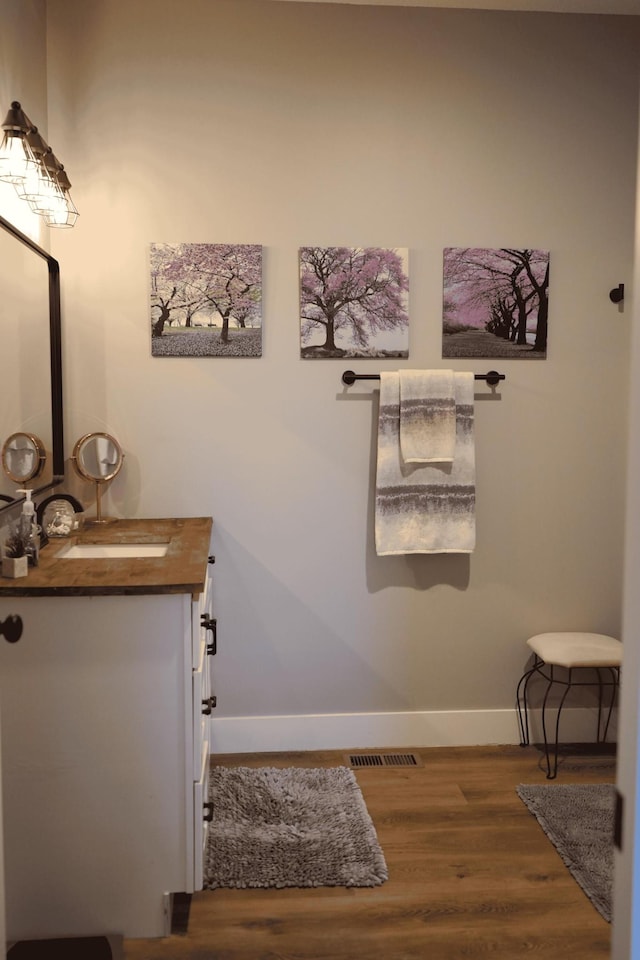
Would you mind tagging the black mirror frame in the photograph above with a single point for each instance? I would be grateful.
(55, 352)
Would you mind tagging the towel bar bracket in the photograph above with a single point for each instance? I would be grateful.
(617, 294)
(349, 377)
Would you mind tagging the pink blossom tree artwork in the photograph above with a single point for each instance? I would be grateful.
(206, 300)
(495, 303)
(353, 302)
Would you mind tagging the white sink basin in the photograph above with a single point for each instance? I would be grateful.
(111, 551)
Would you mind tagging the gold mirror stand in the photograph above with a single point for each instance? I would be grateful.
(87, 450)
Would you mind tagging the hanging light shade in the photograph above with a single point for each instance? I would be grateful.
(64, 217)
(16, 156)
(35, 186)
(62, 211)
(43, 194)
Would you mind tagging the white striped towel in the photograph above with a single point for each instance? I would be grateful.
(427, 416)
(430, 507)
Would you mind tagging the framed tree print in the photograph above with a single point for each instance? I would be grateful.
(206, 300)
(353, 302)
(495, 303)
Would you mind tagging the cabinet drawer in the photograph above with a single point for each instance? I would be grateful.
(202, 614)
(202, 707)
(201, 817)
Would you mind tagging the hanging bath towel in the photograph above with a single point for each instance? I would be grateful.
(424, 507)
(427, 416)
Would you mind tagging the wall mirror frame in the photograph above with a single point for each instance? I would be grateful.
(55, 359)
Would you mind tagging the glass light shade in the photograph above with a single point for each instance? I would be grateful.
(36, 184)
(64, 215)
(46, 194)
(36, 187)
(17, 161)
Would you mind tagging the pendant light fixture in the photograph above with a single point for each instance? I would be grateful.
(16, 157)
(28, 162)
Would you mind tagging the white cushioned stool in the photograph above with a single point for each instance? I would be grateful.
(573, 652)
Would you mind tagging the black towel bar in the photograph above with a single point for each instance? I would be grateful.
(349, 377)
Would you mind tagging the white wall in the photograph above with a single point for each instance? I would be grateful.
(23, 65)
(286, 124)
(23, 77)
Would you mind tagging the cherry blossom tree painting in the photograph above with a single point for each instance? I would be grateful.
(206, 300)
(353, 302)
(495, 303)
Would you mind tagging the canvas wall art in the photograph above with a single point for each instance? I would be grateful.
(495, 303)
(206, 300)
(353, 302)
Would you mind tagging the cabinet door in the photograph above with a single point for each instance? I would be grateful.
(96, 811)
(203, 646)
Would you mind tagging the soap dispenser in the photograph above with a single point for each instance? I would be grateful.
(28, 529)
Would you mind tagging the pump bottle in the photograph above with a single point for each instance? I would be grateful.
(29, 529)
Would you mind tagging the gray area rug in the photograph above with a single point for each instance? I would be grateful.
(292, 827)
(578, 819)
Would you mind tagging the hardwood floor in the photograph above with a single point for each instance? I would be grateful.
(471, 874)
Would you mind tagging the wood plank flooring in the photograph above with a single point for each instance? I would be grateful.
(471, 874)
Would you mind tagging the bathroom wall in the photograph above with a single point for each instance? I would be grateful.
(23, 77)
(287, 124)
(23, 63)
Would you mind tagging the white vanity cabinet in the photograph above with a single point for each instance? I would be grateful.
(105, 758)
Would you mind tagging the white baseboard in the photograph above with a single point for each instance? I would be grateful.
(438, 728)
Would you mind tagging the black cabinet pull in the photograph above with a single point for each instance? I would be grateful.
(210, 623)
(211, 559)
(11, 628)
(208, 705)
(208, 812)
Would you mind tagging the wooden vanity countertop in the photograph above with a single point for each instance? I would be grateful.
(183, 569)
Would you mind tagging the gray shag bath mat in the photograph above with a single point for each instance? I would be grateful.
(578, 819)
(292, 827)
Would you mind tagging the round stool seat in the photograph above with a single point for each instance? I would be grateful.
(577, 649)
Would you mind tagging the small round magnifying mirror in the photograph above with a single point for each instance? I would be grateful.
(23, 457)
(98, 457)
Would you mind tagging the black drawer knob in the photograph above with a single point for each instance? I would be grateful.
(11, 628)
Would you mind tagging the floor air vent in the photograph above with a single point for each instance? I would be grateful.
(383, 760)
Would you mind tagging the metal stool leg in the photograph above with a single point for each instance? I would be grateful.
(544, 723)
(550, 775)
(522, 705)
(615, 683)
